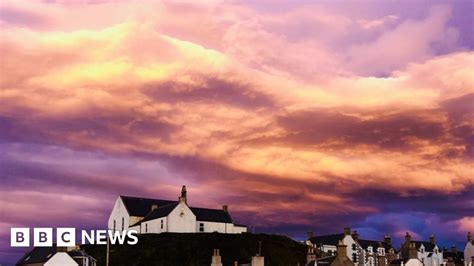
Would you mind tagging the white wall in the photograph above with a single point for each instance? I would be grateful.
(61, 259)
(181, 220)
(210, 227)
(468, 254)
(414, 262)
(118, 212)
(239, 229)
(154, 226)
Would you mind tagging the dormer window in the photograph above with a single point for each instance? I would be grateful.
(370, 249)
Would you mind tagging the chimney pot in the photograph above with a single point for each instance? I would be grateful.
(154, 207)
(225, 208)
(347, 231)
(309, 234)
(387, 239)
(454, 249)
(432, 239)
(469, 237)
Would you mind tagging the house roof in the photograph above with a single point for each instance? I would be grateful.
(454, 256)
(142, 206)
(428, 245)
(326, 260)
(331, 240)
(38, 255)
(211, 215)
(160, 212)
(364, 243)
(43, 254)
(165, 207)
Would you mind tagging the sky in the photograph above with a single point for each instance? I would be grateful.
(300, 115)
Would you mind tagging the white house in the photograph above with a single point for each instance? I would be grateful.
(427, 251)
(55, 256)
(158, 216)
(469, 251)
(411, 252)
(329, 244)
(361, 252)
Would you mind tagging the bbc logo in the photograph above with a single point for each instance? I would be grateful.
(42, 237)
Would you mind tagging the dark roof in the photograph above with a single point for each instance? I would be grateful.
(211, 215)
(364, 243)
(43, 254)
(142, 206)
(428, 245)
(38, 255)
(454, 256)
(331, 240)
(326, 260)
(160, 212)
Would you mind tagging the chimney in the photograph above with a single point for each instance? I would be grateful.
(407, 237)
(453, 248)
(183, 197)
(469, 237)
(225, 208)
(387, 239)
(412, 252)
(355, 235)
(341, 249)
(432, 239)
(309, 235)
(154, 206)
(216, 258)
(347, 231)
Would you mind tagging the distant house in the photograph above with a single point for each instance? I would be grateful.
(411, 258)
(361, 252)
(453, 257)
(158, 216)
(427, 251)
(340, 259)
(469, 251)
(329, 244)
(55, 256)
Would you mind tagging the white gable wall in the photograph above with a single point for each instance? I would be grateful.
(468, 254)
(61, 259)
(181, 219)
(118, 212)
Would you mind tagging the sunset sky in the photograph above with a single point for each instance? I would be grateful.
(300, 115)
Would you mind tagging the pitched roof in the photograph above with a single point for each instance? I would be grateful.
(38, 255)
(326, 260)
(160, 212)
(43, 254)
(428, 245)
(454, 256)
(211, 215)
(364, 243)
(331, 240)
(142, 206)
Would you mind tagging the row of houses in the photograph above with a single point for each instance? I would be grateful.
(349, 249)
(155, 216)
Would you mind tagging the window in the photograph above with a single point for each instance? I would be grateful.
(201, 227)
(115, 224)
(146, 228)
(123, 223)
(162, 224)
(354, 247)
